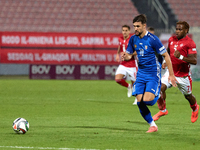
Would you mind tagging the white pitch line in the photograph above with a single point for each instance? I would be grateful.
(54, 148)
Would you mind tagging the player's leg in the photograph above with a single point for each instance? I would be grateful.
(131, 73)
(145, 112)
(120, 75)
(185, 86)
(149, 98)
(138, 90)
(161, 104)
(161, 101)
(119, 78)
(194, 106)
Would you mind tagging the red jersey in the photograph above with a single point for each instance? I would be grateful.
(185, 46)
(123, 46)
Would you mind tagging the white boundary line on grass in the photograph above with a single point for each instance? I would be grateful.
(53, 148)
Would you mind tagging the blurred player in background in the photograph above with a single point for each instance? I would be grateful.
(182, 51)
(148, 82)
(126, 69)
(151, 30)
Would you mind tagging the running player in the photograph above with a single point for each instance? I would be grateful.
(126, 69)
(148, 81)
(182, 50)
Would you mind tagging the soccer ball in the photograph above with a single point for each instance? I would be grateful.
(20, 125)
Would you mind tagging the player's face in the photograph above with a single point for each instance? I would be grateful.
(180, 31)
(125, 32)
(139, 28)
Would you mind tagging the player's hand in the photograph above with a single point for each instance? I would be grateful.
(173, 80)
(117, 58)
(123, 56)
(177, 54)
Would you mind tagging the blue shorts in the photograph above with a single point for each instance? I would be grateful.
(152, 86)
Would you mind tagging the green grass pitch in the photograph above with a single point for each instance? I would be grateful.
(78, 114)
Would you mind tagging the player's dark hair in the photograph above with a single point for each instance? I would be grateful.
(185, 24)
(126, 26)
(140, 18)
(150, 28)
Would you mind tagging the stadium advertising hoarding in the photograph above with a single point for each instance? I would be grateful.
(58, 56)
(66, 40)
(71, 72)
(58, 48)
(62, 55)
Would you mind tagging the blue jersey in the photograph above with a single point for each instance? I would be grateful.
(149, 50)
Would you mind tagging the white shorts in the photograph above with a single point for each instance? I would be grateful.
(129, 73)
(184, 83)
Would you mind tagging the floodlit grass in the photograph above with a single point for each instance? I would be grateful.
(91, 115)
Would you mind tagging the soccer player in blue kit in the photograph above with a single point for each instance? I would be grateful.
(150, 52)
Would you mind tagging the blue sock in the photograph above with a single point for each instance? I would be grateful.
(144, 111)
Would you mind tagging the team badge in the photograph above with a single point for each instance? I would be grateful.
(135, 46)
(146, 46)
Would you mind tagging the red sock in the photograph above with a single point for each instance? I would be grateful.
(194, 107)
(161, 103)
(122, 82)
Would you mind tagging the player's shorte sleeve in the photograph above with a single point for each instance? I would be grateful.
(130, 49)
(192, 48)
(158, 46)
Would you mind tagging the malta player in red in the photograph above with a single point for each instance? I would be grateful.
(126, 69)
(182, 50)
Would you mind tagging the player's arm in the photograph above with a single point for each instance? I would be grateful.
(168, 50)
(164, 65)
(135, 53)
(169, 66)
(118, 54)
(130, 51)
(191, 58)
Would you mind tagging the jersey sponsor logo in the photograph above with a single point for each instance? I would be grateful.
(162, 48)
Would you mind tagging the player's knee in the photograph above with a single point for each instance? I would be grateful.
(118, 80)
(148, 99)
(151, 102)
